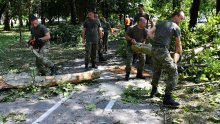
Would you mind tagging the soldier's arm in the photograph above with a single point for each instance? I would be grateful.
(83, 35)
(178, 45)
(151, 32)
(100, 33)
(129, 39)
(45, 37)
(151, 23)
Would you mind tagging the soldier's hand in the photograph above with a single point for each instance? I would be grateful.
(133, 41)
(101, 41)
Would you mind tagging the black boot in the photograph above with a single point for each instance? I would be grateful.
(127, 76)
(86, 66)
(101, 58)
(140, 75)
(53, 70)
(169, 101)
(154, 92)
(94, 65)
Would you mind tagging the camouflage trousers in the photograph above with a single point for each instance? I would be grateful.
(91, 52)
(42, 60)
(140, 57)
(105, 41)
(162, 60)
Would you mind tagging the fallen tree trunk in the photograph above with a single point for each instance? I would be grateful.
(24, 80)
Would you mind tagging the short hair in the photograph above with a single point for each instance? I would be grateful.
(176, 13)
(141, 19)
(32, 17)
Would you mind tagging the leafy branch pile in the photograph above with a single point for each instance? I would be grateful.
(134, 95)
(66, 34)
(204, 66)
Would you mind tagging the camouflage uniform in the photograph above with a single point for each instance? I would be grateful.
(92, 39)
(165, 30)
(42, 61)
(106, 27)
(140, 36)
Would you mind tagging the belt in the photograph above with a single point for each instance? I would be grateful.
(159, 46)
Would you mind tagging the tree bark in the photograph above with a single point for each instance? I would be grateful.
(217, 7)
(20, 21)
(73, 11)
(194, 13)
(42, 13)
(7, 20)
(2, 10)
(23, 80)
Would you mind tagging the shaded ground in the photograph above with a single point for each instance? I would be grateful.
(88, 102)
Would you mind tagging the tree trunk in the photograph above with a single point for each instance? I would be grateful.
(42, 13)
(217, 6)
(7, 20)
(73, 11)
(20, 21)
(2, 10)
(194, 13)
(23, 80)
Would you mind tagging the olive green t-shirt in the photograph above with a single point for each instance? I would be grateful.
(139, 35)
(165, 30)
(39, 31)
(106, 26)
(92, 26)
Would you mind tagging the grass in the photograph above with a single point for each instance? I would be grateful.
(16, 57)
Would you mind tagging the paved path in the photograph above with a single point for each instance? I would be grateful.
(103, 93)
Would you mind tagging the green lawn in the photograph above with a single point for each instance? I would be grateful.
(8, 38)
(16, 57)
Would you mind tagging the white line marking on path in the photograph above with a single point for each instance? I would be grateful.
(108, 108)
(42, 117)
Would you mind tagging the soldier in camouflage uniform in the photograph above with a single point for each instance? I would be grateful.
(136, 34)
(142, 13)
(106, 28)
(40, 41)
(163, 32)
(91, 35)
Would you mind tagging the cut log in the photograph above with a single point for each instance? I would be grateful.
(23, 80)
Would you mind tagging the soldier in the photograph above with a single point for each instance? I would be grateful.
(136, 34)
(106, 28)
(141, 13)
(101, 44)
(91, 34)
(163, 32)
(40, 41)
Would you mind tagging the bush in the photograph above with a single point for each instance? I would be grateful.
(64, 33)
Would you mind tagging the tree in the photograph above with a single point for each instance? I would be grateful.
(3, 7)
(194, 13)
(217, 6)
(7, 17)
(73, 11)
